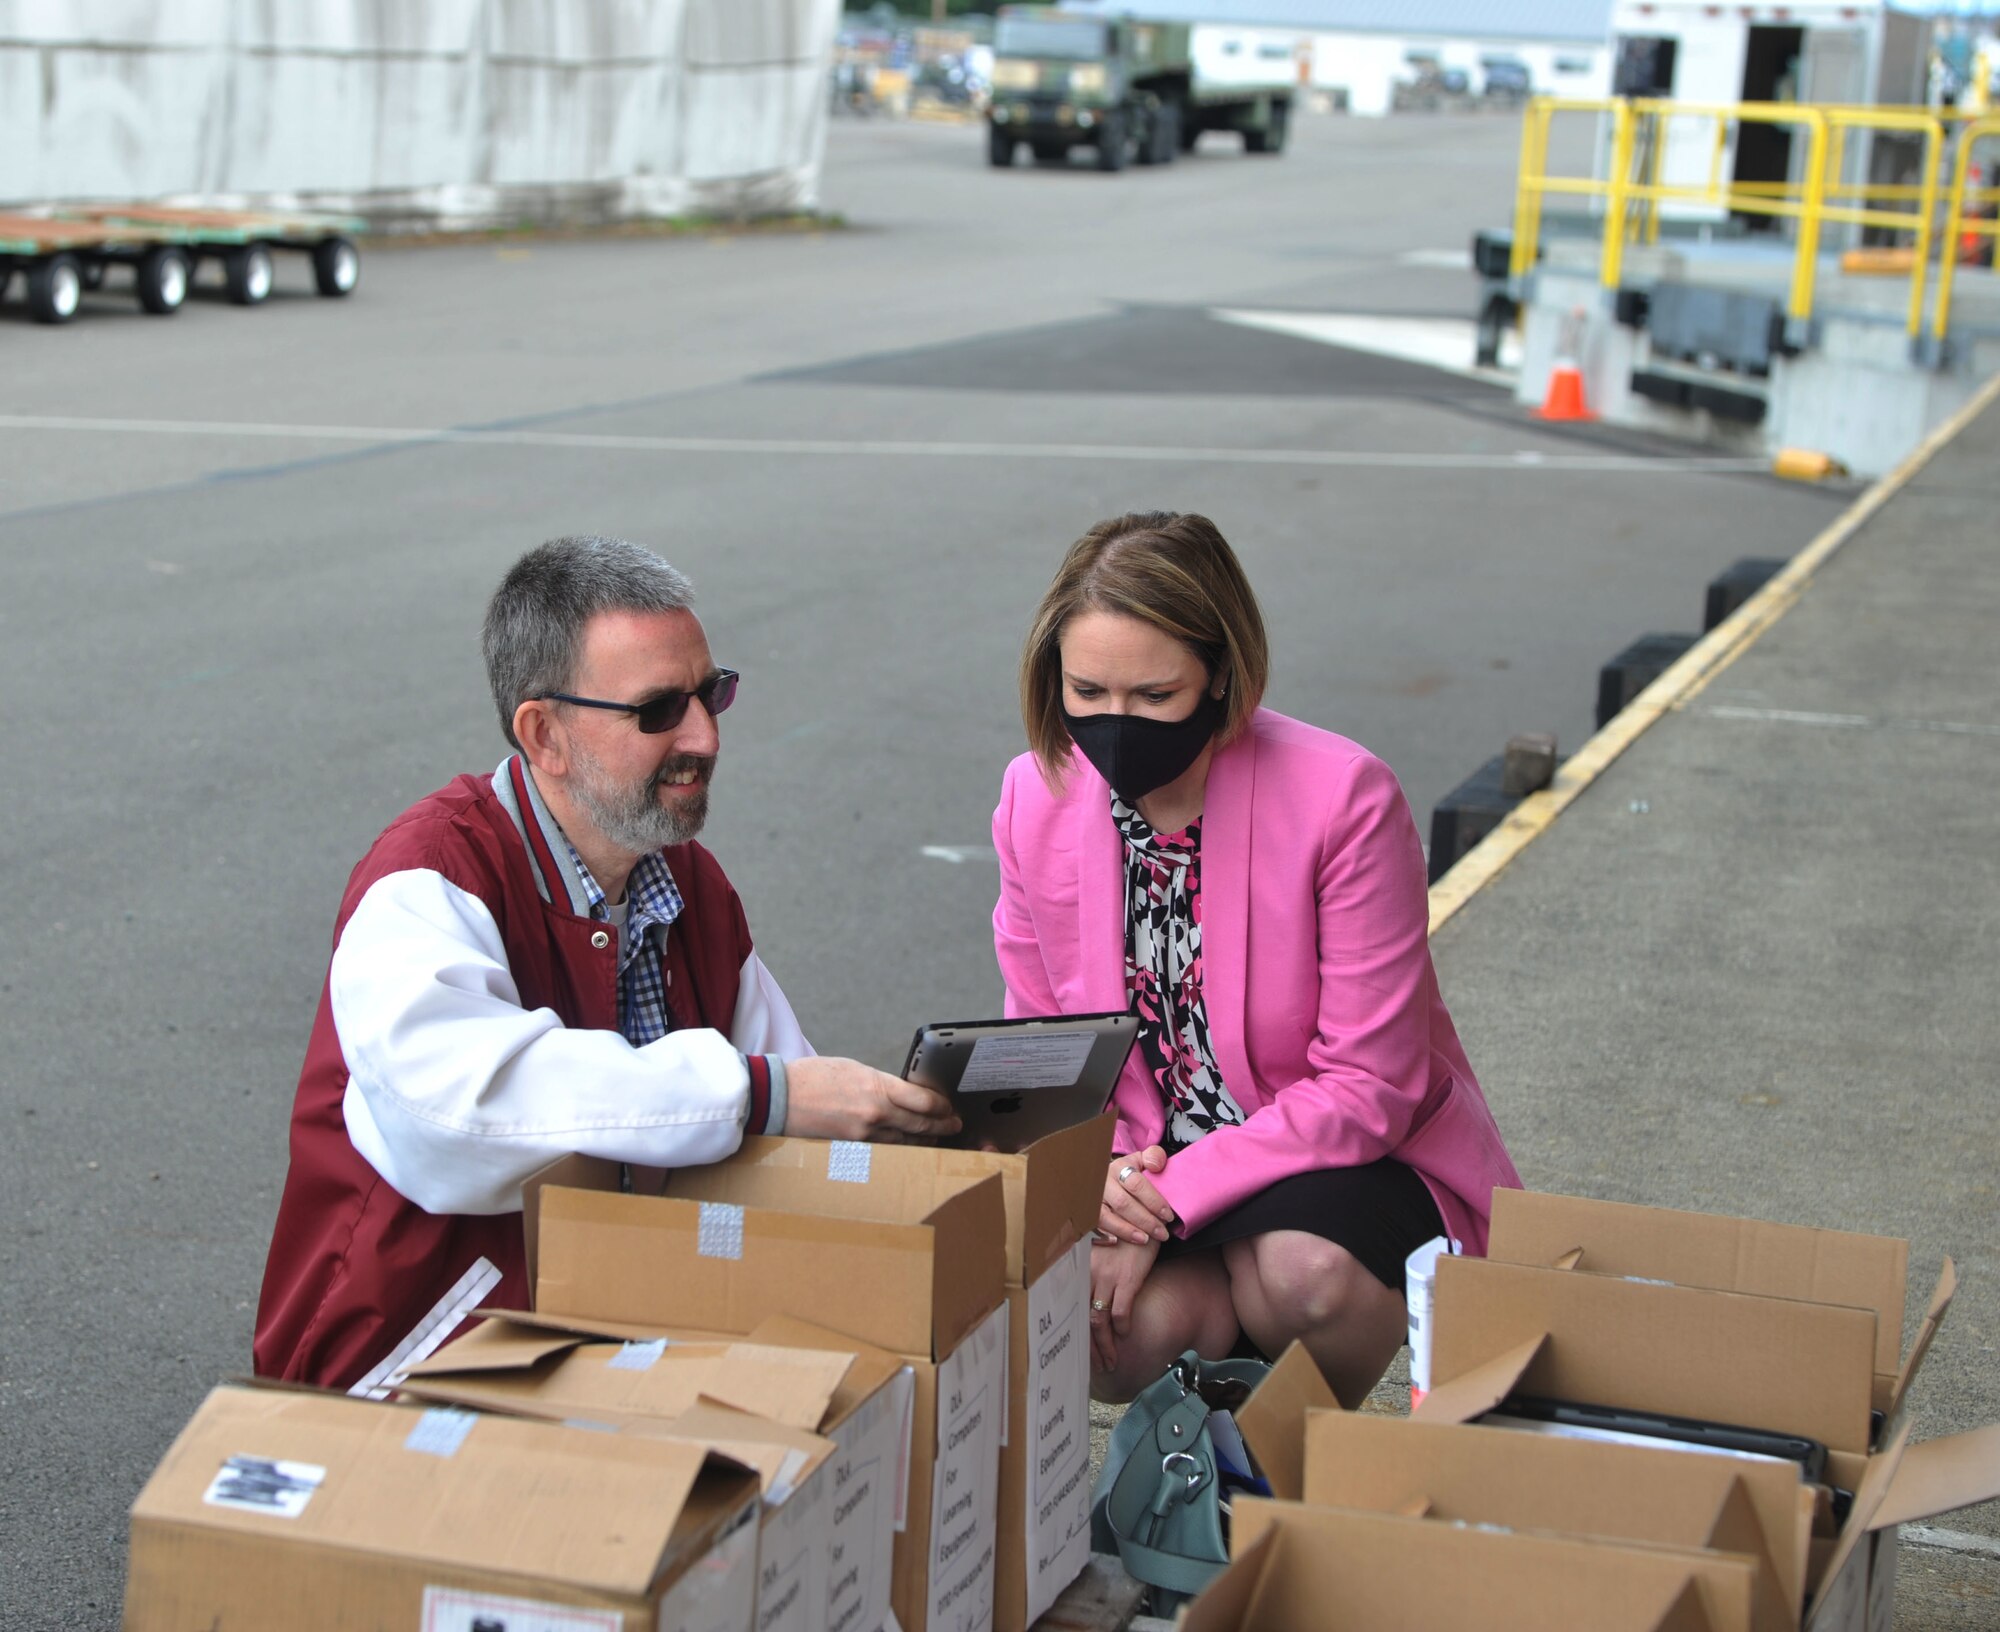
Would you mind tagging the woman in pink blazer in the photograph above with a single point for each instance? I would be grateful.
(1297, 1114)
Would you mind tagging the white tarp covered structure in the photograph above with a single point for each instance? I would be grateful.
(454, 111)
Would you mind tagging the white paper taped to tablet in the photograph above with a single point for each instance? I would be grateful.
(1012, 1064)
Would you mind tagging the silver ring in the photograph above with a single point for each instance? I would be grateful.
(1125, 1173)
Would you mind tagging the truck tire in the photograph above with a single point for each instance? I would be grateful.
(161, 278)
(1163, 135)
(999, 148)
(55, 289)
(1271, 139)
(1111, 141)
(1190, 130)
(248, 273)
(336, 267)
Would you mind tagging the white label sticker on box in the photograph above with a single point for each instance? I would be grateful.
(440, 1433)
(965, 1492)
(719, 1234)
(1058, 1427)
(718, 1593)
(259, 1484)
(1015, 1063)
(868, 1478)
(451, 1609)
(849, 1161)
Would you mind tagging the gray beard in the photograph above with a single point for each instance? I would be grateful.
(633, 818)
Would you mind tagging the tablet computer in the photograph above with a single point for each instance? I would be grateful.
(1657, 1428)
(1015, 1081)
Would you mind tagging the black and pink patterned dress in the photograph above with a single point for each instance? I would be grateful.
(1163, 975)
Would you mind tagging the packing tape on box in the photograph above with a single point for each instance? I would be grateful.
(638, 1356)
(848, 1161)
(720, 1232)
(440, 1433)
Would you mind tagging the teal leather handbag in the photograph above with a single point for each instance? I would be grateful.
(1157, 1502)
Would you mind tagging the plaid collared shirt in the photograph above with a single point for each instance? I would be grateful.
(651, 898)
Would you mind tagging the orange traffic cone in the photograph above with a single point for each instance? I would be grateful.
(1564, 399)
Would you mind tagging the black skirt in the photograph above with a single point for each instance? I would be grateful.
(1381, 1213)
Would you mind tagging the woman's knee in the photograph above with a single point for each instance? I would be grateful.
(1306, 1282)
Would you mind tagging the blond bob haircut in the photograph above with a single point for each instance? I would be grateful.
(1175, 572)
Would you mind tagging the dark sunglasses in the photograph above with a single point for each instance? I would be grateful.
(664, 712)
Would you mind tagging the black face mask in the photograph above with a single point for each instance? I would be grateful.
(1135, 754)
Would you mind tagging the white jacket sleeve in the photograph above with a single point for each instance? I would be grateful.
(764, 1022)
(456, 1093)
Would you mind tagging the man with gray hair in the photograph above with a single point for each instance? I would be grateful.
(533, 963)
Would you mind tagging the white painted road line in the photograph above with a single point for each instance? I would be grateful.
(1950, 1541)
(1526, 461)
(1851, 722)
(959, 854)
(1445, 260)
(1447, 344)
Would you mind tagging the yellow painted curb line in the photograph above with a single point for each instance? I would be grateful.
(1686, 680)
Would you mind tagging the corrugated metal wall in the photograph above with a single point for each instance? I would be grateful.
(459, 111)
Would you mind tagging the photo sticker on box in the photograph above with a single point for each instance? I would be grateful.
(451, 1609)
(1016, 1063)
(259, 1484)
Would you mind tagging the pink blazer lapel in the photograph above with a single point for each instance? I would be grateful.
(1225, 909)
(1100, 861)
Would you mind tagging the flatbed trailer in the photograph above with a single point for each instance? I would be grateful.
(69, 249)
(60, 259)
(243, 241)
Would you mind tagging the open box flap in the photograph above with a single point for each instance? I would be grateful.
(1273, 1419)
(1875, 1481)
(1480, 1389)
(1224, 1606)
(1711, 1250)
(1738, 1529)
(1920, 1345)
(1940, 1476)
(1687, 1613)
(499, 1344)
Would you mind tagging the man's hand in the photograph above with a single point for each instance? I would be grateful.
(1132, 1210)
(1116, 1274)
(844, 1099)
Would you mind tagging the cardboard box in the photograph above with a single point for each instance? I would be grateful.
(1051, 1192)
(1314, 1569)
(905, 1258)
(1747, 1358)
(1758, 1511)
(308, 1510)
(763, 1405)
(1727, 1254)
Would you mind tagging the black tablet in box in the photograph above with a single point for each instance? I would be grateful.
(1014, 1081)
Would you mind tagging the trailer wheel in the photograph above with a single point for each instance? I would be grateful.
(55, 289)
(1111, 141)
(248, 274)
(162, 279)
(337, 266)
(1271, 139)
(999, 148)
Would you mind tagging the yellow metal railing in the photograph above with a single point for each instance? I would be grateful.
(1632, 188)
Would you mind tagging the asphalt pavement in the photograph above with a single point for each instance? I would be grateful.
(243, 556)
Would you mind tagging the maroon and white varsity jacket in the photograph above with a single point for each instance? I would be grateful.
(468, 1036)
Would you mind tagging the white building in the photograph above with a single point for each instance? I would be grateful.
(1361, 50)
(459, 111)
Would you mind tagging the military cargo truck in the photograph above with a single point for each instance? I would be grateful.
(1135, 91)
